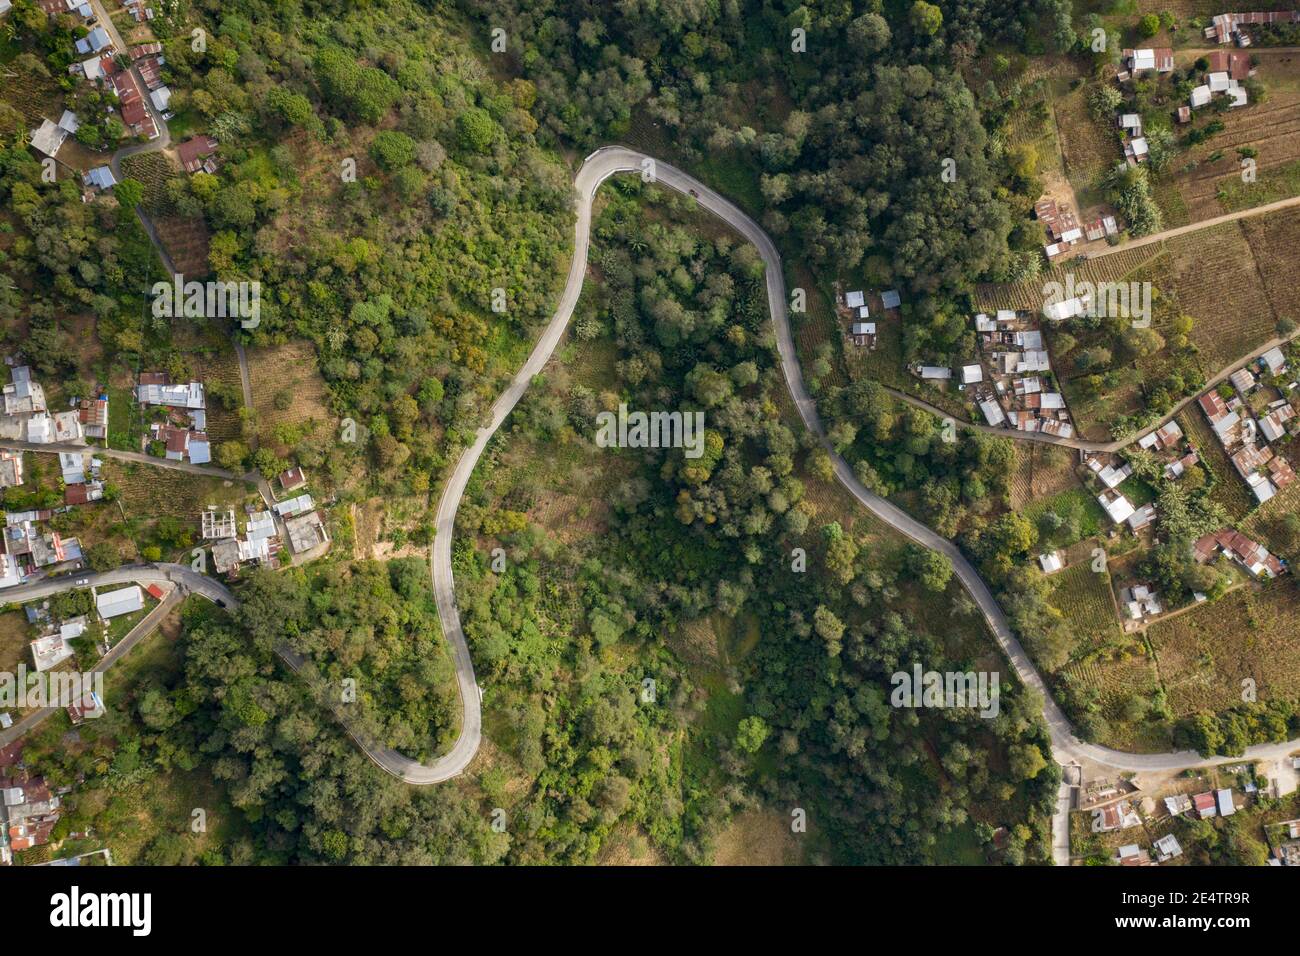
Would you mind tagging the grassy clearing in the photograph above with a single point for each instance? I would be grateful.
(14, 638)
(1076, 500)
(760, 838)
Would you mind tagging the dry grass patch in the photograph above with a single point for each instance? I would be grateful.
(1088, 148)
(759, 838)
(13, 640)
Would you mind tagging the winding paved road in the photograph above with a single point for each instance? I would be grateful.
(598, 167)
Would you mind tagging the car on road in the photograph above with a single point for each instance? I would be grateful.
(83, 581)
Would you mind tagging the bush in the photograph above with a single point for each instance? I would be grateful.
(392, 150)
(476, 130)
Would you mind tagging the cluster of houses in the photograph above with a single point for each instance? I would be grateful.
(198, 155)
(98, 62)
(26, 417)
(1063, 228)
(862, 331)
(138, 11)
(102, 65)
(1166, 441)
(1200, 806)
(29, 552)
(183, 433)
(1226, 73)
(265, 531)
(1112, 471)
(1136, 149)
(261, 541)
(53, 647)
(1018, 393)
(1284, 842)
(49, 137)
(80, 471)
(29, 811)
(1140, 602)
(1251, 555)
(1167, 847)
(1240, 433)
(1112, 808)
(1147, 60)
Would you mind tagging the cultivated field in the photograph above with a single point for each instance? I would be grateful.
(1117, 673)
(1207, 653)
(289, 395)
(1086, 599)
(1273, 241)
(1029, 294)
(817, 331)
(35, 97)
(186, 241)
(1272, 128)
(152, 170)
(1227, 300)
(149, 492)
(1041, 471)
(1229, 490)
